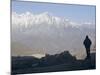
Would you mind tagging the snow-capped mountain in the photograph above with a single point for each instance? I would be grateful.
(28, 20)
(50, 34)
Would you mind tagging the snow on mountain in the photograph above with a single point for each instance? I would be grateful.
(29, 19)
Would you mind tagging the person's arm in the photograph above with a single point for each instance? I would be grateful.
(90, 42)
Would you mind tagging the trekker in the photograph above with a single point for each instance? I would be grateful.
(87, 43)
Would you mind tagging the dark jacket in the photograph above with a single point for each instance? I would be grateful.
(87, 42)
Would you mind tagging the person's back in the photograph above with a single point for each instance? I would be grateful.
(87, 43)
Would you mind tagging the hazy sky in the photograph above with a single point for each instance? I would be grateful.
(77, 13)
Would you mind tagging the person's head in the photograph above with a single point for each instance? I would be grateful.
(86, 36)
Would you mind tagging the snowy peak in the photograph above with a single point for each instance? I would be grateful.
(30, 19)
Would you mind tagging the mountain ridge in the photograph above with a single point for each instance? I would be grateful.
(29, 19)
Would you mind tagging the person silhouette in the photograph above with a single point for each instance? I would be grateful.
(87, 43)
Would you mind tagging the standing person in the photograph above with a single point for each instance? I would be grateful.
(87, 43)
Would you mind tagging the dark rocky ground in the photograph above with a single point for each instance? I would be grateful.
(51, 63)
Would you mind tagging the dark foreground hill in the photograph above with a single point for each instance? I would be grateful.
(51, 63)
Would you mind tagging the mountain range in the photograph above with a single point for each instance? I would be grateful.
(45, 33)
